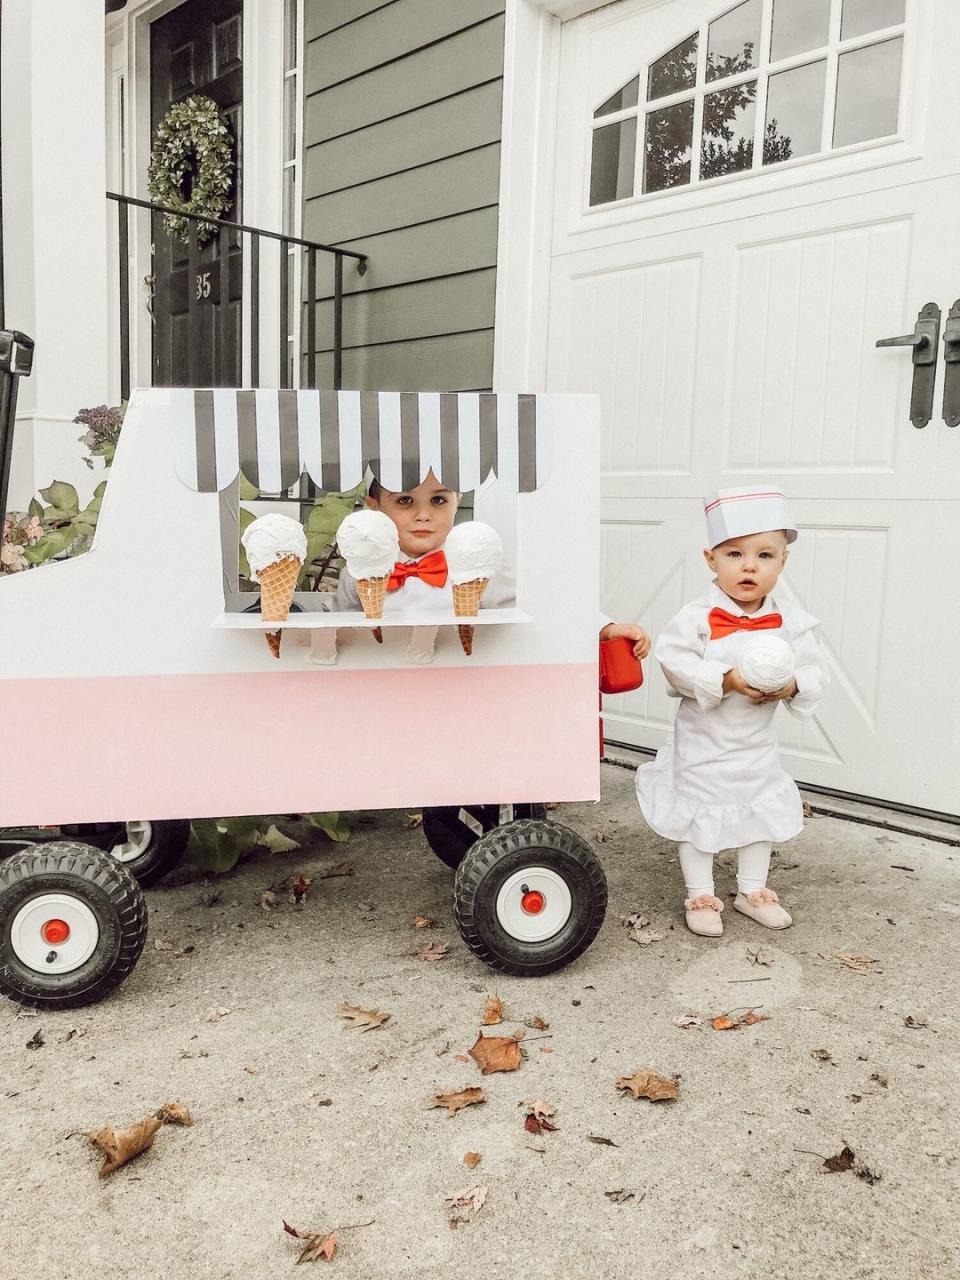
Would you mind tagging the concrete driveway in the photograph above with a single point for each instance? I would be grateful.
(299, 1118)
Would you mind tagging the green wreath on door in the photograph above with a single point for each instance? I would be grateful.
(193, 141)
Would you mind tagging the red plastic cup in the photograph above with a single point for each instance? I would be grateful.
(620, 671)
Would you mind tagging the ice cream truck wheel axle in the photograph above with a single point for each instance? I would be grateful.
(73, 922)
(451, 830)
(529, 897)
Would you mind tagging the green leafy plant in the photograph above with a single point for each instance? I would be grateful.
(103, 423)
(56, 531)
(191, 165)
(218, 844)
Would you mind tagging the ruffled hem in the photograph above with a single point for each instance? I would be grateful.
(776, 815)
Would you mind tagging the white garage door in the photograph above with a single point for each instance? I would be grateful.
(746, 200)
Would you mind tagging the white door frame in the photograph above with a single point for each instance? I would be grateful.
(128, 53)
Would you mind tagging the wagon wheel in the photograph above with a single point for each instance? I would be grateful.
(529, 897)
(73, 922)
(148, 850)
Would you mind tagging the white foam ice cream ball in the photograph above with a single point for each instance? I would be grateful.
(766, 662)
(474, 551)
(370, 544)
(271, 538)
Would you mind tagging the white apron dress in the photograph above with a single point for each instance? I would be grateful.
(719, 784)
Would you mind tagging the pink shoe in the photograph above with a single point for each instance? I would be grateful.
(763, 905)
(703, 916)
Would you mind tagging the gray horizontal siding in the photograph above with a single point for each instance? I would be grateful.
(390, 34)
(402, 162)
(467, 242)
(463, 61)
(421, 310)
(470, 119)
(458, 362)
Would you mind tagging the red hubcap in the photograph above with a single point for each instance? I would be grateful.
(532, 902)
(55, 931)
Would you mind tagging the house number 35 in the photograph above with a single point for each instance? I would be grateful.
(203, 284)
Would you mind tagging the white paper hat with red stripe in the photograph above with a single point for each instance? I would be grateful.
(736, 513)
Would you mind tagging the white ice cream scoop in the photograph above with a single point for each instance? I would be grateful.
(474, 552)
(272, 538)
(370, 544)
(766, 662)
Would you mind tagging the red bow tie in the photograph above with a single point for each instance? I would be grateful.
(432, 570)
(724, 624)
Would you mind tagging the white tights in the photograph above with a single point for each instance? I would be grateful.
(753, 864)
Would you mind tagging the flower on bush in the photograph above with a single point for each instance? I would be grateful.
(103, 425)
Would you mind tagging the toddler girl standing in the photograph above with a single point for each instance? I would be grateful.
(719, 784)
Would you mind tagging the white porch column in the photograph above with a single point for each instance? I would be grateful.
(55, 218)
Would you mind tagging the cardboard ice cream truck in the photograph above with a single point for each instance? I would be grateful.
(149, 647)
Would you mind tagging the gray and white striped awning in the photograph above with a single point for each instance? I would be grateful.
(335, 436)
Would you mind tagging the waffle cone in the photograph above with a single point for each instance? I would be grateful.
(278, 582)
(372, 593)
(466, 603)
(467, 597)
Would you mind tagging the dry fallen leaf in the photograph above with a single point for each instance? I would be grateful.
(623, 1195)
(215, 1014)
(317, 1244)
(821, 1055)
(268, 900)
(601, 1141)
(413, 820)
(472, 1159)
(436, 951)
(685, 1020)
(455, 1102)
(859, 964)
(839, 1163)
(749, 1019)
(534, 1124)
(164, 944)
(645, 1083)
(469, 1200)
(496, 1053)
(757, 955)
(118, 1148)
(492, 1011)
(644, 937)
(297, 887)
(174, 1113)
(424, 922)
(540, 1107)
(36, 1041)
(536, 1023)
(362, 1019)
(338, 869)
(915, 1023)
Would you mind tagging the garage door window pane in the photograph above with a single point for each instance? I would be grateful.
(732, 41)
(794, 124)
(861, 16)
(675, 71)
(611, 170)
(728, 116)
(798, 25)
(868, 93)
(623, 98)
(668, 147)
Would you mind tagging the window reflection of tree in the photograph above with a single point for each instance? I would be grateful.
(724, 149)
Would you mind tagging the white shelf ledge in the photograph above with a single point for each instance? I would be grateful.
(319, 621)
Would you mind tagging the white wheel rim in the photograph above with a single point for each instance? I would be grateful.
(527, 926)
(32, 949)
(139, 835)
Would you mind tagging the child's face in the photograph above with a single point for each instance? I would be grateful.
(423, 516)
(747, 568)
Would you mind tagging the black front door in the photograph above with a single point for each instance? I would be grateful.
(197, 49)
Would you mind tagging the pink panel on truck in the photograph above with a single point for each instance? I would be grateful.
(278, 742)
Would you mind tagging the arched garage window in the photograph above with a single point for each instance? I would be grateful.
(764, 82)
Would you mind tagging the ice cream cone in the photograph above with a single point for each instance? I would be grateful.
(466, 604)
(278, 582)
(373, 593)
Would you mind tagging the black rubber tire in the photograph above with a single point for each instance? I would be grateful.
(103, 885)
(450, 838)
(497, 856)
(169, 838)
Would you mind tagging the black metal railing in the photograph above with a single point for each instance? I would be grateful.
(306, 360)
(16, 361)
